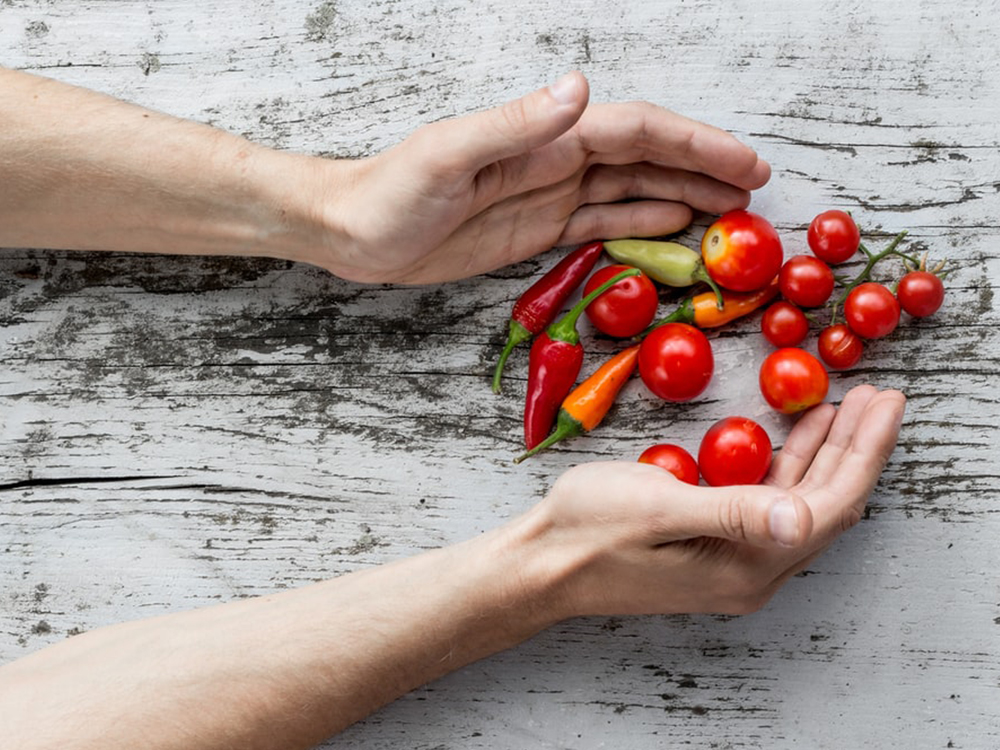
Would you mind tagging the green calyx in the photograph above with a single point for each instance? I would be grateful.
(566, 427)
(683, 314)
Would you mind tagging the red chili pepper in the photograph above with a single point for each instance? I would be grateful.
(588, 404)
(538, 306)
(555, 361)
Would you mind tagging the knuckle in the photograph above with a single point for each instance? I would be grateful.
(733, 517)
(512, 118)
(598, 224)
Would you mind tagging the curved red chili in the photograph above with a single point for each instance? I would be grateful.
(555, 361)
(539, 305)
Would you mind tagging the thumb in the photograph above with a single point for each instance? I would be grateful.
(517, 126)
(760, 515)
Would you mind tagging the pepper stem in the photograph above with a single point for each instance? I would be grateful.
(683, 314)
(564, 329)
(701, 274)
(516, 333)
(566, 427)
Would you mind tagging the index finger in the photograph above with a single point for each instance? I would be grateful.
(640, 131)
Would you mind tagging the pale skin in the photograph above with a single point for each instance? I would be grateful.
(468, 195)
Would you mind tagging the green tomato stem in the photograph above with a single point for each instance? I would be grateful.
(865, 275)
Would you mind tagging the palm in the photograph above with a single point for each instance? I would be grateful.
(832, 460)
(712, 549)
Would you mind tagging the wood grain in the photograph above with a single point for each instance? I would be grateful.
(176, 431)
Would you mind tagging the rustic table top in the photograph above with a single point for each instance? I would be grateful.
(176, 432)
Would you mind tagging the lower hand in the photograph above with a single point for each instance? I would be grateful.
(465, 196)
(628, 538)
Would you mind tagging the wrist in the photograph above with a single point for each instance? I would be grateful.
(297, 199)
(531, 571)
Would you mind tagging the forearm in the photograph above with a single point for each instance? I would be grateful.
(85, 171)
(287, 670)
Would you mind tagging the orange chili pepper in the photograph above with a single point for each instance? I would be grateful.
(702, 310)
(585, 408)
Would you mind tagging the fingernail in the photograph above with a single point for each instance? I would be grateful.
(899, 419)
(564, 90)
(784, 522)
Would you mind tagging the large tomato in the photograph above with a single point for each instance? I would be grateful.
(871, 310)
(792, 380)
(735, 450)
(675, 362)
(742, 251)
(626, 308)
(674, 459)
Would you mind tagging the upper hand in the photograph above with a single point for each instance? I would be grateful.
(467, 195)
(630, 539)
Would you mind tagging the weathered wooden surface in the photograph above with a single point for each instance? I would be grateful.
(175, 432)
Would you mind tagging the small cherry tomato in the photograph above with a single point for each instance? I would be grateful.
(626, 308)
(742, 251)
(839, 347)
(920, 293)
(674, 459)
(735, 450)
(871, 310)
(783, 324)
(792, 380)
(675, 362)
(833, 236)
(806, 281)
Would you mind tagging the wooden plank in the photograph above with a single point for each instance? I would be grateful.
(177, 431)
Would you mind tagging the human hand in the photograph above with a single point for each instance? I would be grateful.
(467, 195)
(631, 539)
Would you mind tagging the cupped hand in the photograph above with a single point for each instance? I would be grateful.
(464, 196)
(634, 540)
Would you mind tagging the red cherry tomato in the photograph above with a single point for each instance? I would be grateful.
(833, 236)
(783, 324)
(871, 310)
(806, 281)
(839, 347)
(675, 362)
(792, 380)
(735, 450)
(626, 308)
(920, 293)
(742, 251)
(674, 459)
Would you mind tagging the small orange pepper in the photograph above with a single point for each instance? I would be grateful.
(585, 408)
(702, 310)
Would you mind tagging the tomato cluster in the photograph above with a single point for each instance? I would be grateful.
(871, 310)
(743, 261)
